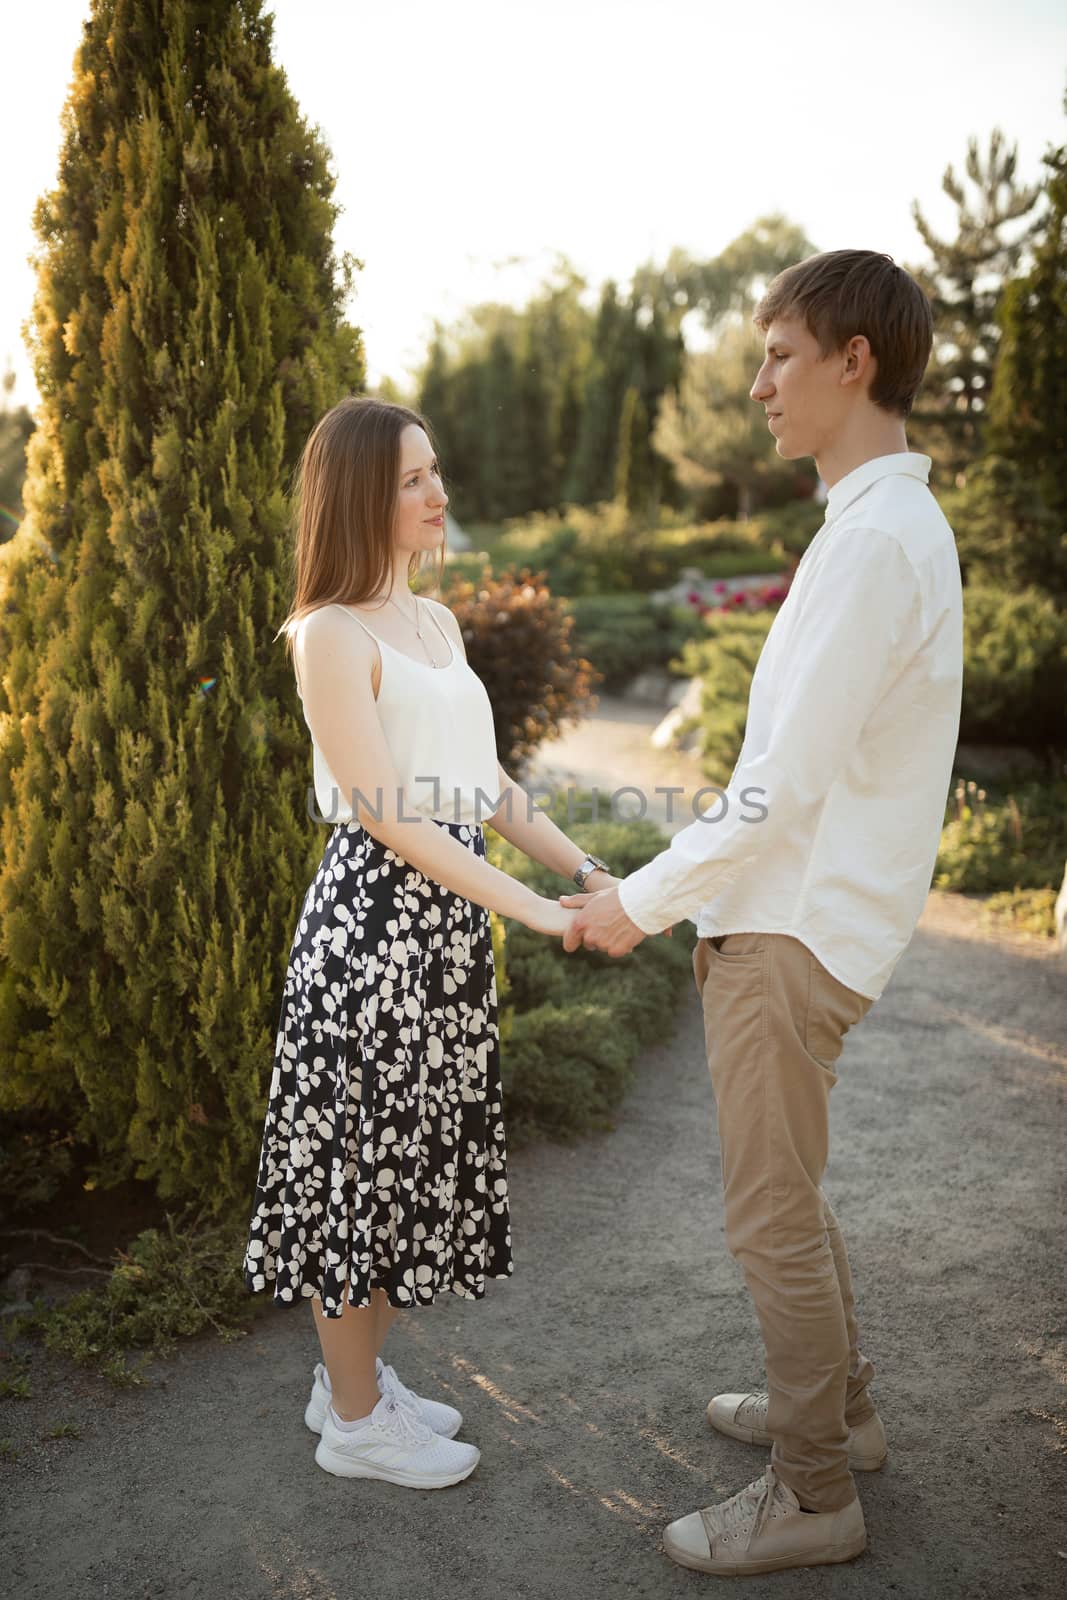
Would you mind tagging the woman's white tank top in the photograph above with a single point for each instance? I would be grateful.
(438, 724)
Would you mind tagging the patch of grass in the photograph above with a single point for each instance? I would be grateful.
(17, 1387)
(64, 1430)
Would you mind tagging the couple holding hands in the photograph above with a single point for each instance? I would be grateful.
(382, 1179)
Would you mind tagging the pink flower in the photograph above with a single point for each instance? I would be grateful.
(720, 588)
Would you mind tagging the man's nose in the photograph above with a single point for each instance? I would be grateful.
(762, 389)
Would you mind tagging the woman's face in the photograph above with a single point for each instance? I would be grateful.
(421, 499)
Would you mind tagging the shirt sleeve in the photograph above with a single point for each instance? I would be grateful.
(842, 656)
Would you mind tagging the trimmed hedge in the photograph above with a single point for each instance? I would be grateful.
(576, 1023)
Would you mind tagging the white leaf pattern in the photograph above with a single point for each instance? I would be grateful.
(383, 1162)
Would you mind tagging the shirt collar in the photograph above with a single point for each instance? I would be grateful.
(907, 464)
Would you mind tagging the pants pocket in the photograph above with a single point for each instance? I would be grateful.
(833, 1008)
(738, 947)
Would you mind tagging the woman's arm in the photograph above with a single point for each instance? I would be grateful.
(533, 831)
(334, 659)
(527, 828)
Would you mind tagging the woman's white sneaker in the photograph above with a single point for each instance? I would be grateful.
(445, 1420)
(395, 1445)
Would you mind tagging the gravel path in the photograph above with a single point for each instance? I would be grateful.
(584, 1378)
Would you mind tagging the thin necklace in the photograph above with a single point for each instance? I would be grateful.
(415, 625)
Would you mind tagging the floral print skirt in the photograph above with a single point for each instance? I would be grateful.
(383, 1163)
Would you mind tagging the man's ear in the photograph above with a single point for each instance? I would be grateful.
(857, 360)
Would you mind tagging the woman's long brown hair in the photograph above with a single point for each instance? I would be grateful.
(345, 492)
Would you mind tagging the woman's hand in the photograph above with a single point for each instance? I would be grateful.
(548, 916)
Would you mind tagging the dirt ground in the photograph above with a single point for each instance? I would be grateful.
(584, 1378)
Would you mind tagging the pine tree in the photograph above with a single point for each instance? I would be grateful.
(964, 281)
(187, 331)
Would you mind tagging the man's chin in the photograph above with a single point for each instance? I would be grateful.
(789, 450)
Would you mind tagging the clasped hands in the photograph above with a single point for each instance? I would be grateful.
(600, 923)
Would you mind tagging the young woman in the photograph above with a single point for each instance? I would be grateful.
(382, 1179)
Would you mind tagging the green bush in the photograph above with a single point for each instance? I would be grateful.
(1025, 910)
(624, 634)
(607, 549)
(577, 1021)
(1015, 668)
(791, 527)
(171, 1283)
(725, 659)
(1007, 842)
(36, 1159)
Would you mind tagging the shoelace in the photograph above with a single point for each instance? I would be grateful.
(757, 1404)
(403, 1421)
(752, 1504)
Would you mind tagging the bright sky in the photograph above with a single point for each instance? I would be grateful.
(474, 141)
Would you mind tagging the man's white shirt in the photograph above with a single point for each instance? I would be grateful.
(833, 814)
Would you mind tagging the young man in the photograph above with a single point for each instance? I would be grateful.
(807, 890)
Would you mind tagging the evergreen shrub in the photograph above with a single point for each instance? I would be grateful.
(189, 327)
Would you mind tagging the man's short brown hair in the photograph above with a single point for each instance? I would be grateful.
(842, 293)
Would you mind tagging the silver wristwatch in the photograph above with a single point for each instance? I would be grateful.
(590, 865)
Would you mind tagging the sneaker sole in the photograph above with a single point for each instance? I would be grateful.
(313, 1419)
(345, 1467)
(733, 1569)
(736, 1430)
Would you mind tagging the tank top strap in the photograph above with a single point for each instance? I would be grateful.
(360, 620)
(452, 652)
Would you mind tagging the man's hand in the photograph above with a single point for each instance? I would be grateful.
(601, 923)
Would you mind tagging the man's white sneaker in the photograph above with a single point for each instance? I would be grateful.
(763, 1529)
(744, 1416)
(442, 1419)
(393, 1444)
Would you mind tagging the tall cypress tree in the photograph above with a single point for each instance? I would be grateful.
(591, 475)
(188, 328)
